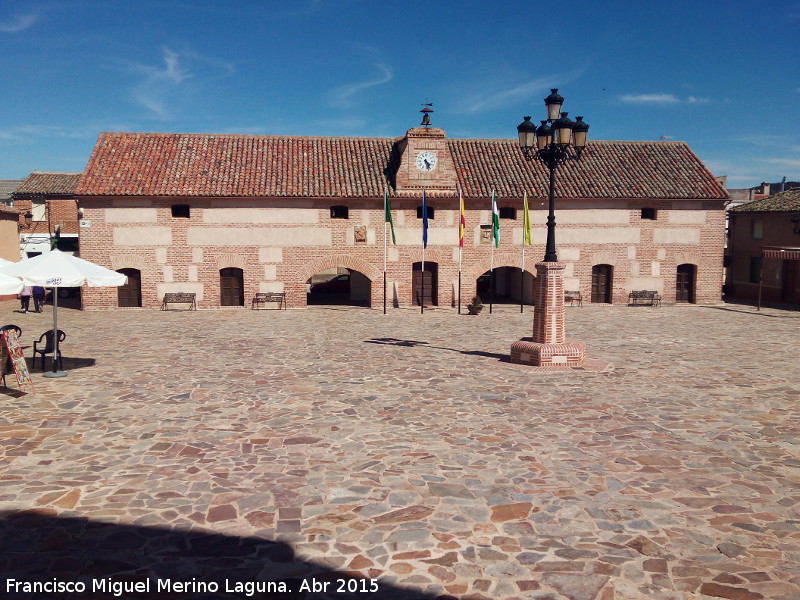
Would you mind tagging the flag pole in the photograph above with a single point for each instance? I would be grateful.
(522, 278)
(522, 266)
(526, 239)
(461, 232)
(385, 196)
(424, 243)
(422, 284)
(491, 260)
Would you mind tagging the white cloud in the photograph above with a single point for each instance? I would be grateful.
(25, 132)
(662, 99)
(789, 162)
(487, 96)
(649, 99)
(344, 95)
(482, 94)
(21, 23)
(164, 83)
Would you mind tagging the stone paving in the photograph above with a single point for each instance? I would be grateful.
(305, 446)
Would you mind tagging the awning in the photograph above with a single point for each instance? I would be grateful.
(781, 252)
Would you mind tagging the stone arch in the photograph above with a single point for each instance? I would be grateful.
(338, 260)
(603, 258)
(128, 262)
(228, 260)
(687, 258)
(501, 259)
(431, 255)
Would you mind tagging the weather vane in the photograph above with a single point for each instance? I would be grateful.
(426, 113)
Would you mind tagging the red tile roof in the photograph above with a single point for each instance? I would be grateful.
(40, 183)
(177, 164)
(607, 169)
(787, 201)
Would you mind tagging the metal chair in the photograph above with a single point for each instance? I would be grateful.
(18, 330)
(49, 347)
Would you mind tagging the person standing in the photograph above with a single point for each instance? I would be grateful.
(25, 298)
(38, 298)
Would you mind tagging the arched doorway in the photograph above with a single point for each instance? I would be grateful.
(425, 285)
(684, 283)
(231, 287)
(602, 283)
(511, 285)
(339, 286)
(130, 294)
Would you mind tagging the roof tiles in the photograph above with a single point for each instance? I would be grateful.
(48, 183)
(787, 201)
(225, 165)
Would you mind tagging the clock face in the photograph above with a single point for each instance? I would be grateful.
(426, 161)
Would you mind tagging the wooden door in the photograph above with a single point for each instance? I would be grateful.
(231, 287)
(602, 279)
(130, 294)
(425, 283)
(790, 281)
(684, 283)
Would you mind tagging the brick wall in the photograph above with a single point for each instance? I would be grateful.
(141, 233)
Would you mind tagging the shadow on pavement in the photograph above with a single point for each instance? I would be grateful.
(37, 546)
(791, 312)
(413, 343)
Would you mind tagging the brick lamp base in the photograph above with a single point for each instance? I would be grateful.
(547, 346)
(536, 354)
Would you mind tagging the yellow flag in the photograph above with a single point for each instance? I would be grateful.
(526, 222)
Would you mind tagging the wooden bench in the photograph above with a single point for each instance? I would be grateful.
(262, 298)
(573, 296)
(644, 297)
(179, 298)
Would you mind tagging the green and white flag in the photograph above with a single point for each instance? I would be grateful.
(495, 221)
(387, 212)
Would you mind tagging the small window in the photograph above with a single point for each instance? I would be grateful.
(757, 229)
(508, 212)
(755, 269)
(39, 210)
(180, 211)
(68, 244)
(340, 212)
(430, 212)
(649, 214)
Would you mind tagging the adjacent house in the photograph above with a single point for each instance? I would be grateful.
(50, 200)
(9, 219)
(227, 216)
(764, 247)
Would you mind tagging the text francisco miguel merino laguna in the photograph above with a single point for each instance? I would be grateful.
(246, 588)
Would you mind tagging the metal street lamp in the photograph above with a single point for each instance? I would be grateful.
(557, 140)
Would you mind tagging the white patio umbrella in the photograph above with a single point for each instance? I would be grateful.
(10, 285)
(57, 269)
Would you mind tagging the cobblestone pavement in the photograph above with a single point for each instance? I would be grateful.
(304, 446)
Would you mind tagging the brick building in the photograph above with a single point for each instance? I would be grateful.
(226, 216)
(50, 199)
(773, 221)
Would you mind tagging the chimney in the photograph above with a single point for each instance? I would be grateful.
(765, 188)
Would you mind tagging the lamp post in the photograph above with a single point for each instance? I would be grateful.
(557, 140)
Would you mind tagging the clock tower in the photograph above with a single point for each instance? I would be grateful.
(425, 162)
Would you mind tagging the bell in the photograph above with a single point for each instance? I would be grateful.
(426, 119)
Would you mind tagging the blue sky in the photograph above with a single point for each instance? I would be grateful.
(722, 76)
